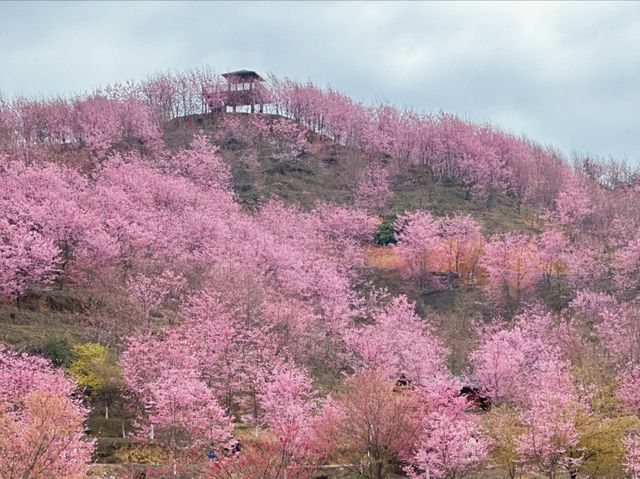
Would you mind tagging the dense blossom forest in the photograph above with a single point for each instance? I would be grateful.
(227, 329)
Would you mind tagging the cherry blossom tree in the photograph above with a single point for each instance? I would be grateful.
(201, 162)
(41, 423)
(551, 437)
(451, 447)
(288, 136)
(26, 259)
(510, 363)
(286, 400)
(632, 457)
(103, 124)
(627, 261)
(553, 252)
(462, 247)
(513, 268)
(628, 392)
(372, 191)
(573, 203)
(368, 423)
(43, 438)
(614, 324)
(418, 244)
(263, 460)
(152, 292)
(182, 413)
(399, 342)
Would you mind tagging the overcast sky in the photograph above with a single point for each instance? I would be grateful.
(566, 74)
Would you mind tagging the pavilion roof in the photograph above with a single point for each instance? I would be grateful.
(242, 75)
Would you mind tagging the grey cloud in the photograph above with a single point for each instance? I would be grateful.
(563, 73)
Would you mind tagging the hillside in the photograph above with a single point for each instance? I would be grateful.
(328, 172)
(198, 279)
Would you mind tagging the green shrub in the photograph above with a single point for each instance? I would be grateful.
(385, 233)
(58, 352)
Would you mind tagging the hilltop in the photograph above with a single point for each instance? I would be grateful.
(328, 172)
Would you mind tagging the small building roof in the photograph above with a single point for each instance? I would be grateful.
(242, 75)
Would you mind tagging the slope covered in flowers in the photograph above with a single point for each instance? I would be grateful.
(315, 273)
